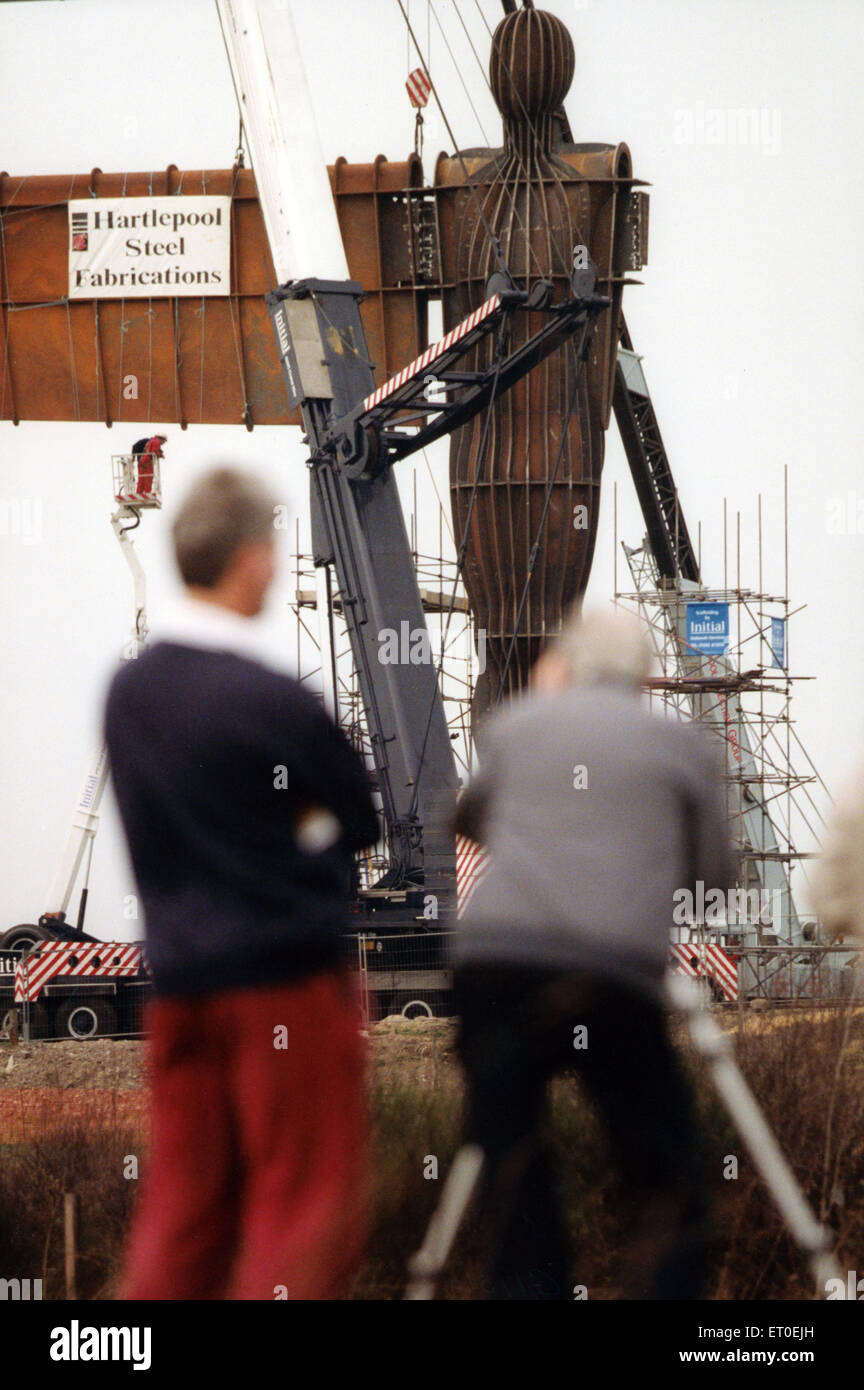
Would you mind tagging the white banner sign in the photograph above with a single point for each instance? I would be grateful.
(135, 248)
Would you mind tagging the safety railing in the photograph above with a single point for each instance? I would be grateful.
(404, 973)
(137, 480)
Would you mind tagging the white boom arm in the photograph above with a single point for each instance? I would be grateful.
(85, 823)
(278, 118)
(139, 584)
(291, 175)
(85, 817)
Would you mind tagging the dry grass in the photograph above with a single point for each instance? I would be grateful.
(806, 1069)
(33, 1180)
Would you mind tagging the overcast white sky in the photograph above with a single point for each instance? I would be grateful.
(749, 319)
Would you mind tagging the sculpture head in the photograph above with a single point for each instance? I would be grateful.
(531, 67)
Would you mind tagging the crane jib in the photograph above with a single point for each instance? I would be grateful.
(355, 430)
(313, 347)
(433, 356)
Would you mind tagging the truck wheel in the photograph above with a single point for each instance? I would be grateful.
(86, 1018)
(410, 1006)
(40, 1025)
(22, 937)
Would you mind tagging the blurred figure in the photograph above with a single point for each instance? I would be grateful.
(242, 804)
(146, 462)
(594, 811)
(838, 875)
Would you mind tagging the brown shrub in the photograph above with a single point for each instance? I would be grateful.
(805, 1069)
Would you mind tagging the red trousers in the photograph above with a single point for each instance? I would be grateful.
(144, 479)
(258, 1175)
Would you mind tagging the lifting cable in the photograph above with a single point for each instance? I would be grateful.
(525, 168)
(201, 314)
(73, 373)
(150, 338)
(438, 496)
(505, 187)
(10, 308)
(463, 546)
(513, 192)
(460, 557)
(535, 549)
(124, 328)
(7, 370)
(465, 87)
(239, 160)
(493, 240)
(525, 114)
(100, 370)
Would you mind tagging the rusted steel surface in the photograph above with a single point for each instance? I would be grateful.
(194, 361)
(540, 198)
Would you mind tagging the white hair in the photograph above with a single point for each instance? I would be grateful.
(604, 645)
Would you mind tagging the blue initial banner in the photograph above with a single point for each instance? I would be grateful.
(778, 642)
(708, 628)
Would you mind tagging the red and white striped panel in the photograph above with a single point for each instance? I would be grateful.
(131, 498)
(724, 970)
(685, 960)
(92, 959)
(708, 960)
(436, 350)
(472, 861)
(418, 87)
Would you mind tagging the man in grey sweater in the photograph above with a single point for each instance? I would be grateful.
(594, 812)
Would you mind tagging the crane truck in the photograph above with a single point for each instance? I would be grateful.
(71, 984)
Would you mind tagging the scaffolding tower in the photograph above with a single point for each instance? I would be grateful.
(743, 696)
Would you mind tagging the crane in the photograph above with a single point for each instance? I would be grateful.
(355, 433)
(84, 822)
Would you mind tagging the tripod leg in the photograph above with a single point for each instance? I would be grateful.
(424, 1267)
(709, 1040)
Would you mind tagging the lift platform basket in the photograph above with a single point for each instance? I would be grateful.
(137, 480)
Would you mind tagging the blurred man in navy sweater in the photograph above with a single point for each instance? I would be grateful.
(242, 804)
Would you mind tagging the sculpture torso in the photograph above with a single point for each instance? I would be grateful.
(540, 199)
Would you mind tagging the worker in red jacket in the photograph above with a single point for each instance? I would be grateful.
(146, 465)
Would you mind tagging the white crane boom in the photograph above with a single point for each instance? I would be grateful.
(291, 176)
(278, 118)
(85, 817)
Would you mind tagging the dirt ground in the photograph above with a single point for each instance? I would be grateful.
(408, 1051)
(419, 1050)
(103, 1064)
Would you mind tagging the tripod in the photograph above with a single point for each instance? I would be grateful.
(813, 1239)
